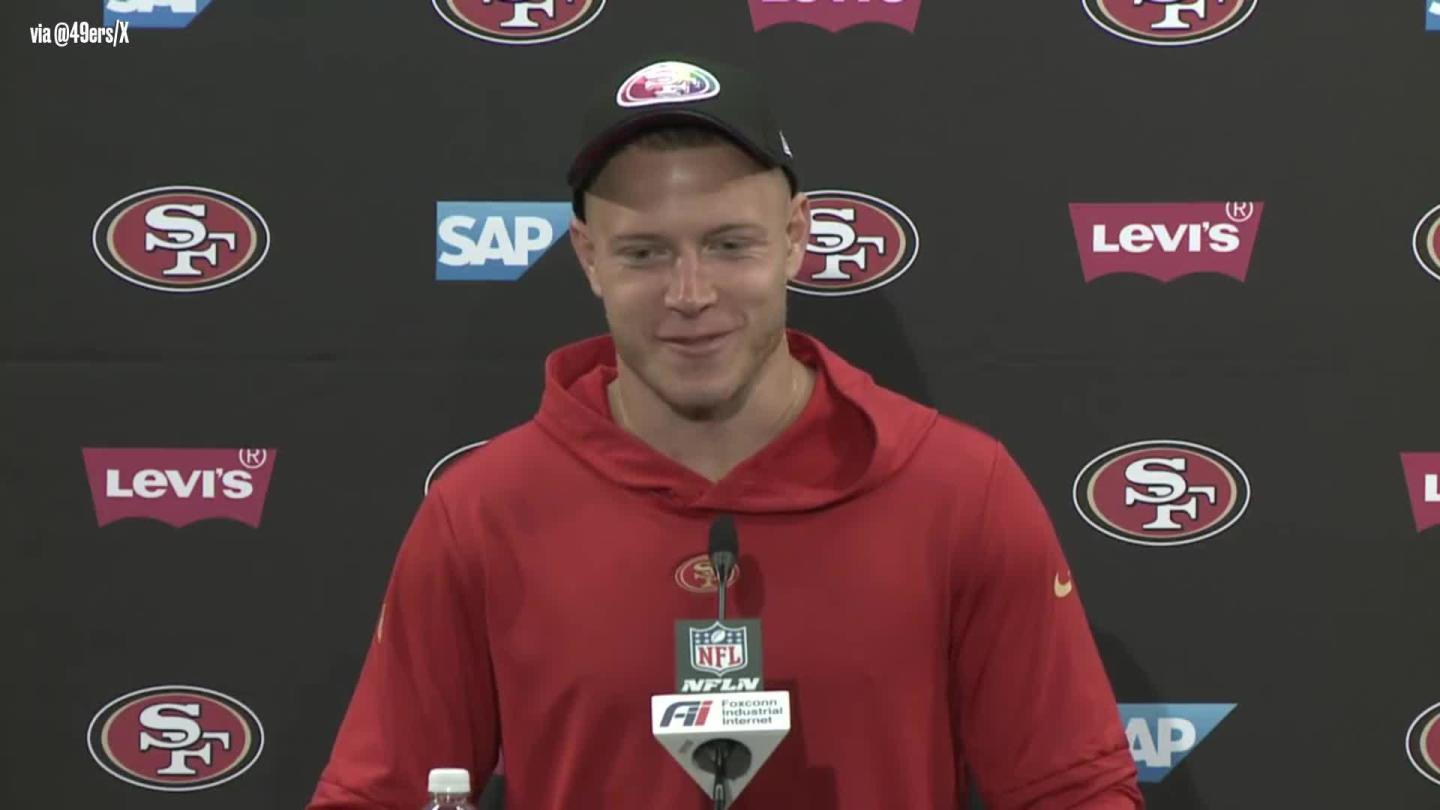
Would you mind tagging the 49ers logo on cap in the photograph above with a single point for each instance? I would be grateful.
(181, 239)
(175, 738)
(519, 22)
(1427, 242)
(667, 83)
(858, 243)
(1422, 743)
(1169, 22)
(1162, 493)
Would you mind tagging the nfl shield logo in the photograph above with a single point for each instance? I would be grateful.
(719, 649)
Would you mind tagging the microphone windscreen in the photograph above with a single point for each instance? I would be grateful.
(723, 538)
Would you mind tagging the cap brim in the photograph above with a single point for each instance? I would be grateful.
(595, 153)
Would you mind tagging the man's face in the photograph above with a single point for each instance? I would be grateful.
(688, 243)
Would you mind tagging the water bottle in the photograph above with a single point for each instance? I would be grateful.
(449, 789)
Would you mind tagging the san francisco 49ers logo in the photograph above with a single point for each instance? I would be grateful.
(450, 458)
(175, 738)
(181, 239)
(1169, 22)
(1422, 743)
(1162, 493)
(697, 575)
(858, 243)
(519, 22)
(1427, 242)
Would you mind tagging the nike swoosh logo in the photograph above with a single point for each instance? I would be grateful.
(1064, 590)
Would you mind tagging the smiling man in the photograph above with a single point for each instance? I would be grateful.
(916, 602)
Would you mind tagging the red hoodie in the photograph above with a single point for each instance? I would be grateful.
(915, 603)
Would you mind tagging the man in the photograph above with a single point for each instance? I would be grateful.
(915, 600)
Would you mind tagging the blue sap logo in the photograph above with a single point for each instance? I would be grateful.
(1432, 15)
(494, 241)
(154, 13)
(1162, 734)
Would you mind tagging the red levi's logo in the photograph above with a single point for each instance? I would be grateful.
(181, 239)
(835, 15)
(179, 487)
(1165, 240)
(1169, 22)
(175, 738)
(1422, 479)
(519, 22)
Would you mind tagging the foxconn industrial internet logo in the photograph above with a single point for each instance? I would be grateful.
(179, 486)
(1166, 240)
(175, 738)
(519, 22)
(181, 239)
(1162, 492)
(858, 243)
(835, 15)
(1169, 22)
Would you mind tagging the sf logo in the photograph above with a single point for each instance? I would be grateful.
(1174, 8)
(521, 21)
(1160, 482)
(833, 236)
(176, 730)
(180, 227)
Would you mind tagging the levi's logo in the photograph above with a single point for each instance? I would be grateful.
(179, 487)
(1422, 479)
(1165, 240)
(835, 15)
(687, 713)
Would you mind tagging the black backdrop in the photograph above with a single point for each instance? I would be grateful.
(343, 124)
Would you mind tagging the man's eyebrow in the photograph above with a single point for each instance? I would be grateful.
(732, 227)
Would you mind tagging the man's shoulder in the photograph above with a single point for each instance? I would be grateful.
(957, 443)
(518, 457)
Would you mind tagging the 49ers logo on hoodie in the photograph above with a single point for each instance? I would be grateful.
(1422, 743)
(858, 243)
(181, 239)
(519, 22)
(1162, 492)
(175, 738)
(1427, 242)
(1169, 22)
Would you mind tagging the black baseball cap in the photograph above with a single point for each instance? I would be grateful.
(676, 89)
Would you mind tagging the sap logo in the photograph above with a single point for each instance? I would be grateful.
(154, 13)
(686, 712)
(494, 241)
(1432, 15)
(1161, 735)
(720, 685)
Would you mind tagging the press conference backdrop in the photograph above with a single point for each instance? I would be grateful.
(269, 263)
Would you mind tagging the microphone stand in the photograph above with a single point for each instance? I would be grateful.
(721, 563)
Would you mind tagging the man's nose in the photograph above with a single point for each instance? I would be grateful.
(691, 286)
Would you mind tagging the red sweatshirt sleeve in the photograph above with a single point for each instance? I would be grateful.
(426, 695)
(1033, 711)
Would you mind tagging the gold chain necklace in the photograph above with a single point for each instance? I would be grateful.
(794, 400)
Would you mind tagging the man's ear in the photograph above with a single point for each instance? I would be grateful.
(797, 234)
(584, 248)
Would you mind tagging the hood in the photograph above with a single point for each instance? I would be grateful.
(850, 437)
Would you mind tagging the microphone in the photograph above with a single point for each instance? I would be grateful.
(724, 549)
(725, 747)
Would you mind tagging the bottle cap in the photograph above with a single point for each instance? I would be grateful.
(450, 780)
